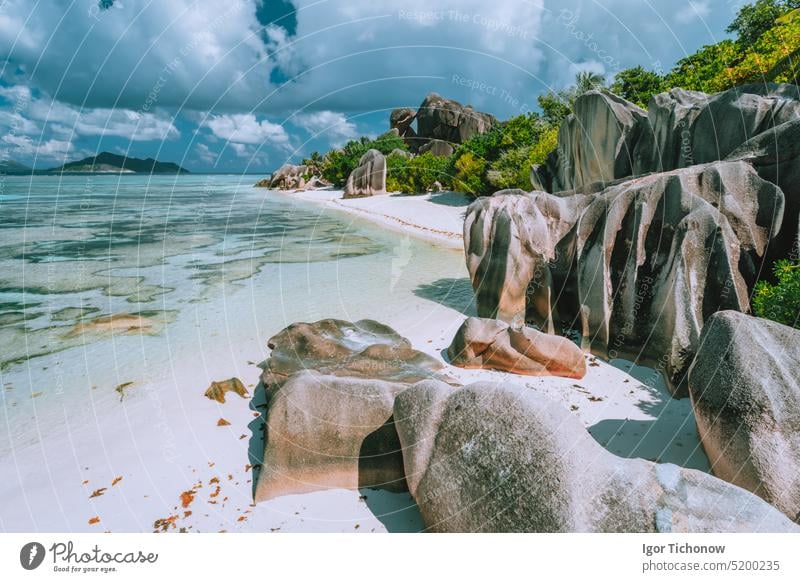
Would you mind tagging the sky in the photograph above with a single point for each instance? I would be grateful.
(247, 85)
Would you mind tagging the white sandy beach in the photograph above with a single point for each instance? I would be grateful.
(157, 459)
(437, 218)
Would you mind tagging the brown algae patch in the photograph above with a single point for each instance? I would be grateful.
(217, 390)
(145, 322)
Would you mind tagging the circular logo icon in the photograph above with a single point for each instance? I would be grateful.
(31, 555)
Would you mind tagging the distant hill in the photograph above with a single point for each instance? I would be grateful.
(12, 167)
(107, 162)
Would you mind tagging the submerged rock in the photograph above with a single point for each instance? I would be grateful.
(745, 388)
(637, 267)
(492, 344)
(493, 458)
(369, 177)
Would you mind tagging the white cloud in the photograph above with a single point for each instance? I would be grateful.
(139, 52)
(49, 149)
(244, 128)
(125, 123)
(36, 114)
(693, 10)
(204, 154)
(331, 124)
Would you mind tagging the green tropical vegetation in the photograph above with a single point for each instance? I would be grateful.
(780, 301)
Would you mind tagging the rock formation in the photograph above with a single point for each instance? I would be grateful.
(745, 388)
(492, 344)
(440, 124)
(491, 458)
(690, 128)
(330, 388)
(607, 138)
(369, 177)
(288, 177)
(637, 267)
(333, 347)
(595, 143)
(438, 148)
(448, 120)
(291, 177)
(775, 154)
(400, 122)
(331, 432)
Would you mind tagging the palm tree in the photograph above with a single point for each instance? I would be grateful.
(586, 81)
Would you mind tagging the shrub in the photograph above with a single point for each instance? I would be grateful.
(469, 175)
(417, 174)
(780, 301)
(513, 168)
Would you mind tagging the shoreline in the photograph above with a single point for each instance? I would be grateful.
(182, 469)
(436, 218)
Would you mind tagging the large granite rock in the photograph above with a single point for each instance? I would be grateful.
(492, 458)
(607, 138)
(326, 432)
(492, 344)
(596, 143)
(690, 128)
(401, 120)
(775, 154)
(448, 120)
(510, 240)
(329, 390)
(745, 388)
(438, 148)
(636, 267)
(289, 177)
(333, 347)
(369, 177)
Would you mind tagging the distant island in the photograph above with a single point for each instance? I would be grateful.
(102, 163)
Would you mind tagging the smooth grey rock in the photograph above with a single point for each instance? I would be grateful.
(775, 154)
(596, 143)
(369, 177)
(689, 127)
(745, 388)
(329, 389)
(438, 148)
(288, 177)
(493, 344)
(494, 458)
(636, 267)
(448, 120)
